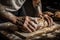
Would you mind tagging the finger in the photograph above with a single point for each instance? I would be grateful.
(51, 20)
(29, 26)
(41, 16)
(27, 18)
(48, 20)
(32, 28)
(26, 26)
(33, 24)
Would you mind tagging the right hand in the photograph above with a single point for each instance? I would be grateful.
(27, 24)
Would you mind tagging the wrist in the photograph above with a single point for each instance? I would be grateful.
(13, 19)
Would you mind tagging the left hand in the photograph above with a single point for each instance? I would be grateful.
(49, 20)
(47, 17)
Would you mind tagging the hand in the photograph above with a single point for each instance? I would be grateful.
(47, 18)
(30, 24)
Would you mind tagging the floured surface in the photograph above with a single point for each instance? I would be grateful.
(41, 31)
(46, 31)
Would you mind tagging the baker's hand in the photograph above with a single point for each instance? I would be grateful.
(29, 25)
(47, 18)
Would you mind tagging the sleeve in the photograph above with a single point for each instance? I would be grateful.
(12, 5)
(17, 4)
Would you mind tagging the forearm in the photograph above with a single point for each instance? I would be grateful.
(5, 14)
(37, 5)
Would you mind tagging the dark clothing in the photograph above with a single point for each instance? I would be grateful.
(12, 5)
(15, 5)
